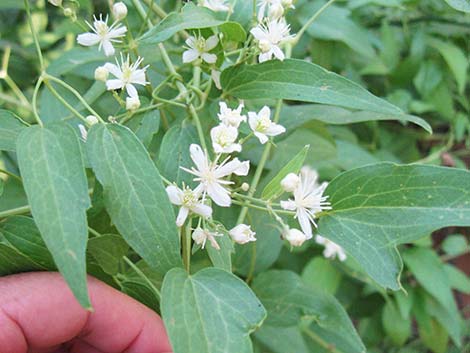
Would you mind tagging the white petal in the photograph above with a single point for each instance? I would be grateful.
(175, 194)
(114, 84)
(253, 120)
(243, 169)
(190, 55)
(219, 195)
(275, 129)
(265, 112)
(202, 210)
(108, 48)
(227, 168)
(198, 156)
(182, 215)
(190, 42)
(258, 33)
(131, 91)
(117, 32)
(265, 57)
(209, 58)
(211, 42)
(278, 52)
(138, 77)
(113, 69)
(304, 222)
(261, 137)
(88, 39)
(289, 205)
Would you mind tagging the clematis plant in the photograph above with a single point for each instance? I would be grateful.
(196, 156)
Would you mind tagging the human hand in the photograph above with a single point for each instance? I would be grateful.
(38, 314)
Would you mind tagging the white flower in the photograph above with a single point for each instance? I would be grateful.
(210, 175)
(295, 237)
(215, 5)
(223, 139)
(55, 2)
(199, 47)
(126, 76)
(189, 201)
(270, 37)
(101, 73)
(103, 35)
(132, 103)
(290, 182)
(288, 4)
(242, 234)
(200, 237)
(262, 125)
(265, 6)
(119, 11)
(215, 75)
(331, 249)
(308, 200)
(231, 117)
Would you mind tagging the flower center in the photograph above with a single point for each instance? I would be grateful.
(189, 198)
(126, 73)
(102, 29)
(263, 124)
(224, 139)
(200, 45)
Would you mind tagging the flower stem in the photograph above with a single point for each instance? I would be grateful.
(259, 169)
(310, 21)
(187, 247)
(35, 36)
(143, 276)
(35, 98)
(15, 211)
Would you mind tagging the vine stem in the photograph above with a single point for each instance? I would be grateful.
(310, 21)
(259, 169)
(35, 36)
(15, 211)
(144, 277)
(187, 247)
(64, 102)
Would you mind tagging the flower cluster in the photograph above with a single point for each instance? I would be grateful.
(125, 74)
(272, 31)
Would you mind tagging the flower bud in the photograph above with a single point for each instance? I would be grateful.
(68, 12)
(132, 103)
(91, 119)
(288, 4)
(276, 11)
(245, 187)
(290, 182)
(199, 236)
(83, 131)
(101, 73)
(295, 237)
(242, 234)
(55, 2)
(119, 11)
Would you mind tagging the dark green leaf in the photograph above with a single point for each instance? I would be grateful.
(12, 261)
(211, 311)
(108, 251)
(51, 165)
(377, 207)
(134, 195)
(397, 327)
(300, 81)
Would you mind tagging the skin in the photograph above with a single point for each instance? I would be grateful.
(38, 314)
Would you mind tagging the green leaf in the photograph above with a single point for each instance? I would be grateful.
(377, 207)
(211, 311)
(10, 128)
(397, 327)
(11, 4)
(293, 116)
(429, 271)
(455, 244)
(274, 189)
(53, 173)
(1, 186)
(334, 24)
(12, 261)
(282, 339)
(457, 279)
(456, 59)
(134, 195)
(176, 144)
(287, 300)
(321, 275)
(190, 17)
(108, 251)
(299, 80)
(460, 5)
(436, 338)
(233, 31)
(23, 234)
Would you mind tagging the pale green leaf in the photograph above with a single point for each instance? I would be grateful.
(10, 128)
(456, 59)
(287, 300)
(221, 258)
(397, 327)
(320, 274)
(293, 116)
(233, 31)
(299, 80)
(53, 173)
(211, 311)
(282, 339)
(460, 5)
(455, 244)
(22, 233)
(274, 189)
(429, 271)
(377, 207)
(134, 195)
(190, 17)
(457, 279)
